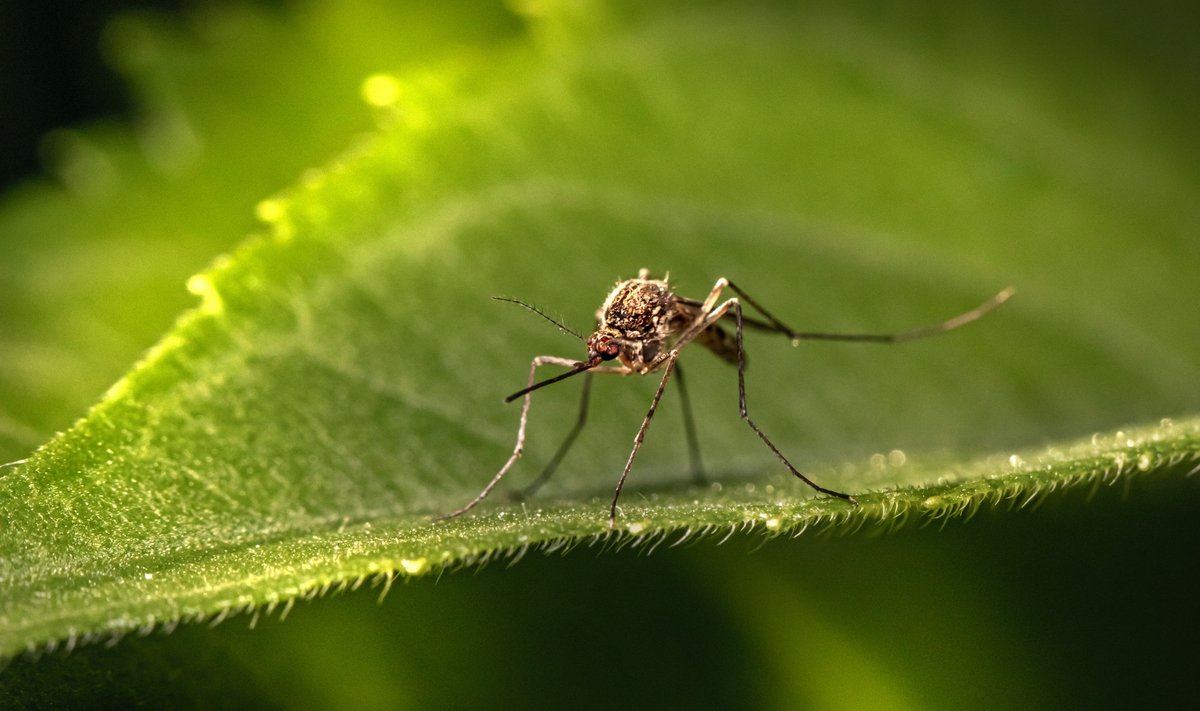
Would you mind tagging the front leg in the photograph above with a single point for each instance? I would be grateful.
(641, 435)
(520, 446)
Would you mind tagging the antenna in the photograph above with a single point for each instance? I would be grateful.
(539, 312)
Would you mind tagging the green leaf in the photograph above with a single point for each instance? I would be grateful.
(341, 379)
(92, 265)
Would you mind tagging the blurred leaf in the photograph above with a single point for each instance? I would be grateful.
(234, 103)
(340, 380)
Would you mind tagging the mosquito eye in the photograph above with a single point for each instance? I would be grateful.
(609, 350)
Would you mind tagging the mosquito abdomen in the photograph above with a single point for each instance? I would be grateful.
(720, 342)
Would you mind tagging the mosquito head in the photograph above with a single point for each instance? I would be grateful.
(603, 346)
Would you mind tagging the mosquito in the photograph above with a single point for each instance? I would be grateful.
(643, 325)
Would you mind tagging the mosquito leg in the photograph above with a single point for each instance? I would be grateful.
(641, 435)
(706, 316)
(776, 324)
(689, 426)
(737, 312)
(552, 465)
(520, 447)
(898, 337)
(710, 301)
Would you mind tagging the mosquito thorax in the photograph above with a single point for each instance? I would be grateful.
(639, 314)
(638, 309)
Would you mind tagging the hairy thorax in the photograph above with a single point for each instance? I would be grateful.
(641, 314)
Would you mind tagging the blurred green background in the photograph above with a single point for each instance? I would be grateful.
(1083, 602)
